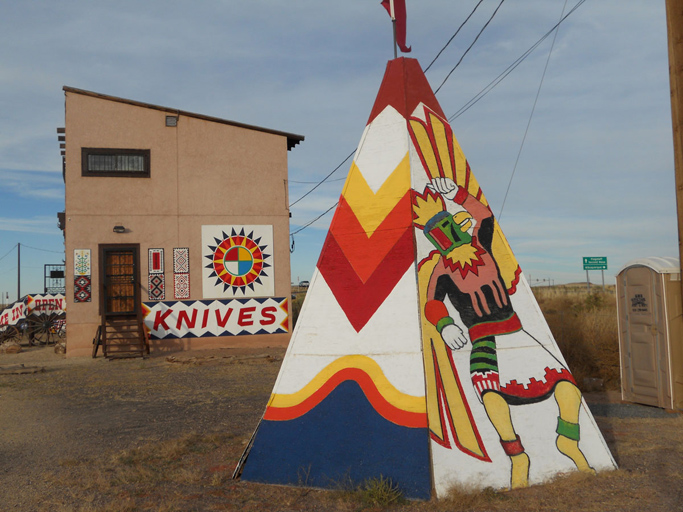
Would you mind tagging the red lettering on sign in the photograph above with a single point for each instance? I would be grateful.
(160, 319)
(268, 316)
(205, 318)
(245, 317)
(224, 320)
(182, 315)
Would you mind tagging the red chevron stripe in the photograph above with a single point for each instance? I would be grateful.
(378, 402)
(359, 300)
(365, 253)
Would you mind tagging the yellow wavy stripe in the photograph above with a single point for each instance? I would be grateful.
(392, 395)
(370, 208)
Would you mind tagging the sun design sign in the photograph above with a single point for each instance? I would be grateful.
(238, 261)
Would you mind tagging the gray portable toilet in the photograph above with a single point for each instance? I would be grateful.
(651, 332)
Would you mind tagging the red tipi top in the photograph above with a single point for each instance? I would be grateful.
(404, 86)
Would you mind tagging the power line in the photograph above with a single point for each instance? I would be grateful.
(317, 218)
(453, 36)
(531, 115)
(312, 182)
(510, 68)
(470, 46)
(15, 246)
(43, 250)
(324, 179)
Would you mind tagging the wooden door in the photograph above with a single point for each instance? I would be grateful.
(120, 278)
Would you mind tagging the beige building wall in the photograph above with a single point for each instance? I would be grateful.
(202, 172)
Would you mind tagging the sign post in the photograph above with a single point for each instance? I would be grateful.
(595, 263)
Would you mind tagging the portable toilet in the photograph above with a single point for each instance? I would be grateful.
(650, 314)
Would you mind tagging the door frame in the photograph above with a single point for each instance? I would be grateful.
(103, 249)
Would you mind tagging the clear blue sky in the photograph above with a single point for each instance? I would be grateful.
(594, 178)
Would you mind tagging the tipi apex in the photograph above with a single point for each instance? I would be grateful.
(420, 354)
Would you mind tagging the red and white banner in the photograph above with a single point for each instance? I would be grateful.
(203, 318)
(12, 315)
(45, 304)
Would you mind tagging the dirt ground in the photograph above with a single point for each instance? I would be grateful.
(165, 433)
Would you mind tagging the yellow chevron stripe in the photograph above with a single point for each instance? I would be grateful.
(370, 208)
(392, 395)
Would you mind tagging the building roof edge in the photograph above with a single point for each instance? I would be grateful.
(292, 138)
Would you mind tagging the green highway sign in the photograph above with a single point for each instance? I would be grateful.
(595, 262)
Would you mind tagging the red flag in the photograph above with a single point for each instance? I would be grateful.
(397, 11)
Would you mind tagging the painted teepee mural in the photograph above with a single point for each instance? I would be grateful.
(420, 353)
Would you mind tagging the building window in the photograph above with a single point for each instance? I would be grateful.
(115, 162)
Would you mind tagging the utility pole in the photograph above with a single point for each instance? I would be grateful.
(674, 28)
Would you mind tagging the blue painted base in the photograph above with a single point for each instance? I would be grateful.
(341, 442)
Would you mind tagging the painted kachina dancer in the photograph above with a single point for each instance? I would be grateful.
(465, 272)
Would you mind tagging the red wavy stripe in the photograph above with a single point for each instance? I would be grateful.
(515, 281)
(378, 402)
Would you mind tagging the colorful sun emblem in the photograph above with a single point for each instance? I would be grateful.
(238, 261)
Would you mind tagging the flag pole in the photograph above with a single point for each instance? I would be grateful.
(393, 24)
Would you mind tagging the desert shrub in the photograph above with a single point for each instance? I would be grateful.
(380, 492)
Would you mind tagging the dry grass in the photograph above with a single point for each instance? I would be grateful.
(193, 472)
(586, 329)
(153, 476)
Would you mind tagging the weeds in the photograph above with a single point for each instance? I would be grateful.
(380, 492)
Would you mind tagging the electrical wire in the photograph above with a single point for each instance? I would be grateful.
(453, 36)
(44, 250)
(312, 182)
(510, 68)
(15, 246)
(324, 179)
(317, 218)
(531, 115)
(470, 46)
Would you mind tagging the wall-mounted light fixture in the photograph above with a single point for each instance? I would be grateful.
(119, 229)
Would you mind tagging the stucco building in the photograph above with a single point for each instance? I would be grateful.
(174, 221)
